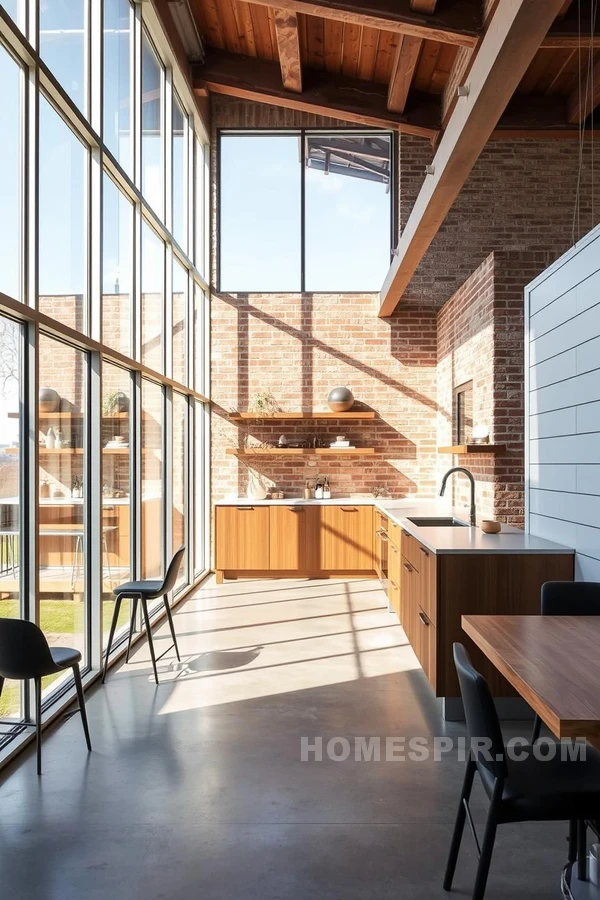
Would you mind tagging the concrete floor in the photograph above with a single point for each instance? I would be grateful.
(196, 788)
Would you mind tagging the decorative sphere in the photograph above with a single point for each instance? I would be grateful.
(48, 400)
(340, 399)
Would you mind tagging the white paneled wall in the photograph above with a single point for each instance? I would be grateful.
(562, 399)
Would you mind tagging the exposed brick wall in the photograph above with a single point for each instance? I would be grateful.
(519, 196)
(301, 346)
(480, 339)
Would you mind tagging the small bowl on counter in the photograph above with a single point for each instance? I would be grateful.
(489, 526)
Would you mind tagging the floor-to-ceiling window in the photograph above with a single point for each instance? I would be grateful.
(103, 286)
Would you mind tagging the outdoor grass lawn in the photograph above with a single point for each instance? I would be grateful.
(58, 617)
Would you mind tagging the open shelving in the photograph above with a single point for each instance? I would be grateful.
(302, 451)
(473, 448)
(300, 416)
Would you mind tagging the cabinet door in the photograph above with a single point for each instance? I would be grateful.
(394, 577)
(347, 538)
(425, 644)
(242, 538)
(294, 539)
(408, 599)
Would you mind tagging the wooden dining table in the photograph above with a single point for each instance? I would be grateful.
(553, 662)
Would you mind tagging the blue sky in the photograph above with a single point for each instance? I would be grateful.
(347, 221)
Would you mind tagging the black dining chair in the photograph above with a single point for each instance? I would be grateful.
(526, 789)
(25, 655)
(143, 591)
(567, 598)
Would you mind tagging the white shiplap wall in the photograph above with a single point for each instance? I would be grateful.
(562, 404)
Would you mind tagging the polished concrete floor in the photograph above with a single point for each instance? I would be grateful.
(196, 788)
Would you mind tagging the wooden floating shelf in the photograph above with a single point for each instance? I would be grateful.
(253, 416)
(302, 451)
(473, 448)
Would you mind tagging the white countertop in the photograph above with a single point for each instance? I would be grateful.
(438, 540)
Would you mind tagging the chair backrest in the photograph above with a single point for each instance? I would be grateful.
(571, 598)
(172, 571)
(24, 651)
(483, 725)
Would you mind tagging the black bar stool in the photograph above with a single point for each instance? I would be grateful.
(25, 655)
(143, 591)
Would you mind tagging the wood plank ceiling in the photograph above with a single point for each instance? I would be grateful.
(424, 52)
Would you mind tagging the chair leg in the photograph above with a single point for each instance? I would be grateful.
(537, 727)
(113, 626)
(144, 603)
(82, 709)
(459, 824)
(171, 626)
(581, 850)
(572, 841)
(487, 847)
(131, 625)
(38, 722)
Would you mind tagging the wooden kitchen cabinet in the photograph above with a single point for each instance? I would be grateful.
(346, 538)
(394, 577)
(294, 539)
(242, 538)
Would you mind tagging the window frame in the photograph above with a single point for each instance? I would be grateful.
(304, 133)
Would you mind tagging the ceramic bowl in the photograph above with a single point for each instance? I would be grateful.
(488, 526)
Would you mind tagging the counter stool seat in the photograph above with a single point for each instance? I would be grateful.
(142, 591)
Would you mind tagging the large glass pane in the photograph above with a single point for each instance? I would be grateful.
(117, 79)
(63, 45)
(180, 172)
(10, 454)
(63, 494)
(117, 268)
(180, 408)
(152, 480)
(200, 523)
(152, 128)
(180, 302)
(11, 219)
(347, 212)
(199, 216)
(116, 488)
(200, 323)
(260, 214)
(153, 295)
(63, 221)
(16, 10)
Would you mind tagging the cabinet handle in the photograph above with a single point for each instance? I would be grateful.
(295, 509)
(423, 551)
(382, 536)
(348, 509)
(407, 567)
(423, 618)
(393, 584)
(244, 508)
(406, 533)
(393, 549)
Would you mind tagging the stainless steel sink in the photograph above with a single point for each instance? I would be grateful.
(438, 522)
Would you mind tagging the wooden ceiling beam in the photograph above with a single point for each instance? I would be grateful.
(423, 6)
(511, 41)
(403, 70)
(564, 9)
(459, 24)
(581, 103)
(288, 43)
(348, 99)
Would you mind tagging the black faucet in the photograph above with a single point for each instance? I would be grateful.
(473, 513)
